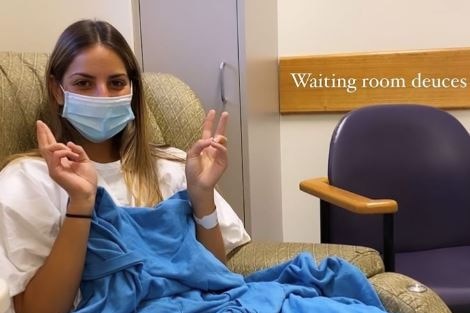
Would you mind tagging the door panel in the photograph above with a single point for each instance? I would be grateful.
(191, 39)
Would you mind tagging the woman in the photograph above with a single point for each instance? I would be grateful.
(98, 138)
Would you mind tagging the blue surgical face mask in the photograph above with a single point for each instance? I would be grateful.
(97, 118)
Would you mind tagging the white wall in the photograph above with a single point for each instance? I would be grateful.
(34, 25)
(334, 26)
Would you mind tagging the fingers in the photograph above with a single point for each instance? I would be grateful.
(58, 155)
(220, 139)
(207, 126)
(197, 147)
(53, 151)
(220, 146)
(44, 135)
(81, 154)
(221, 126)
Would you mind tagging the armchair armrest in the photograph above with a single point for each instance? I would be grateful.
(350, 201)
(255, 256)
(393, 291)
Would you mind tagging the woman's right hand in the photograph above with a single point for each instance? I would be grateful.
(70, 167)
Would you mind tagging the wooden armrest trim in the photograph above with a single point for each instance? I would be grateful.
(350, 201)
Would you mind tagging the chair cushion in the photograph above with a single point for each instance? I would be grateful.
(22, 100)
(177, 113)
(449, 267)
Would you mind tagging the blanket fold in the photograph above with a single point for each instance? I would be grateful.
(149, 260)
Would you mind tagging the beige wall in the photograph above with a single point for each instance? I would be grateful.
(331, 26)
(34, 25)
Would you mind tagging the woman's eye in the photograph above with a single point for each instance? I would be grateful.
(118, 83)
(82, 83)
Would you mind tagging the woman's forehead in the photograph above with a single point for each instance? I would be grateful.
(97, 61)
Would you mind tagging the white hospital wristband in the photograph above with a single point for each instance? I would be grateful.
(209, 221)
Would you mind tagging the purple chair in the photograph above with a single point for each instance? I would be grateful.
(418, 156)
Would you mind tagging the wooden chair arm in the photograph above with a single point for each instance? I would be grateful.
(350, 201)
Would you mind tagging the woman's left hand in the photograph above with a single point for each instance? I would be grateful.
(206, 160)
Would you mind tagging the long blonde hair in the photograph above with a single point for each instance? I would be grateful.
(138, 164)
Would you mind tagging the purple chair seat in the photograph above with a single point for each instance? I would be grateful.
(447, 270)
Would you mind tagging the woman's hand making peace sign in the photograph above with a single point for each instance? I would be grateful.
(70, 167)
(206, 161)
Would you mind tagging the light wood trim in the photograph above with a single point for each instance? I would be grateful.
(399, 68)
(321, 188)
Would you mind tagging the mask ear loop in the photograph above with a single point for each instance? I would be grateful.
(61, 107)
(63, 90)
(64, 95)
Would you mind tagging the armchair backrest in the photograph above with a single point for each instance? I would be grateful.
(175, 112)
(415, 154)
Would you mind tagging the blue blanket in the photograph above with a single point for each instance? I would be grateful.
(148, 260)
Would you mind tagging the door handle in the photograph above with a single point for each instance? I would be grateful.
(222, 82)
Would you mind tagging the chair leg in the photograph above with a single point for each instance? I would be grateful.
(388, 237)
(324, 222)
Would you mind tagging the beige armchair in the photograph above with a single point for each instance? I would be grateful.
(176, 115)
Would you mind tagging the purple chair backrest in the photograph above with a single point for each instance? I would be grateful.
(417, 155)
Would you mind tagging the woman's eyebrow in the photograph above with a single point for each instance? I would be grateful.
(91, 76)
(118, 75)
(82, 74)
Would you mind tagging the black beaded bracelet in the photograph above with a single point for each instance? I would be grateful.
(78, 215)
